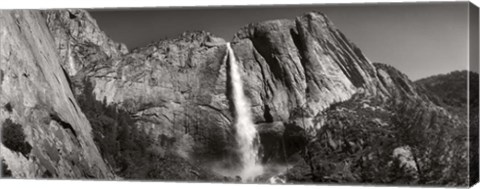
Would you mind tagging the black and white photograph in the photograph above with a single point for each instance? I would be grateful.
(380, 94)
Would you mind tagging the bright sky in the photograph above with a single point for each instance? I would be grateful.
(418, 39)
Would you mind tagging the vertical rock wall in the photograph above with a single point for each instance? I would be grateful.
(37, 101)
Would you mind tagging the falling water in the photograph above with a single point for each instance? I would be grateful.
(246, 130)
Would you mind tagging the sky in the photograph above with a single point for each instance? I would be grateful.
(418, 39)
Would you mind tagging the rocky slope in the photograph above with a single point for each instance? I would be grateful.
(168, 103)
(44, 132)
(406, 139)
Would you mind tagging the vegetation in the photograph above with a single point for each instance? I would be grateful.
(401, 141)
(13, 137)
(5, 172)
(359, 141)
(450, 91)
(8, 107)
(438, 143)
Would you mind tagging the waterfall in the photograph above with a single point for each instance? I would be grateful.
(246, 134)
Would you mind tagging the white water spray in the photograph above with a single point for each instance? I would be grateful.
(246, 130)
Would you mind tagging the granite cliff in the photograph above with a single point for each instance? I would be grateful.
(44, 132)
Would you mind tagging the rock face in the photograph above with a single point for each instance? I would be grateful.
(304, 64)
(80, 41)
(293, 69)
(397, 83)
(55, 137)
(177, 87)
